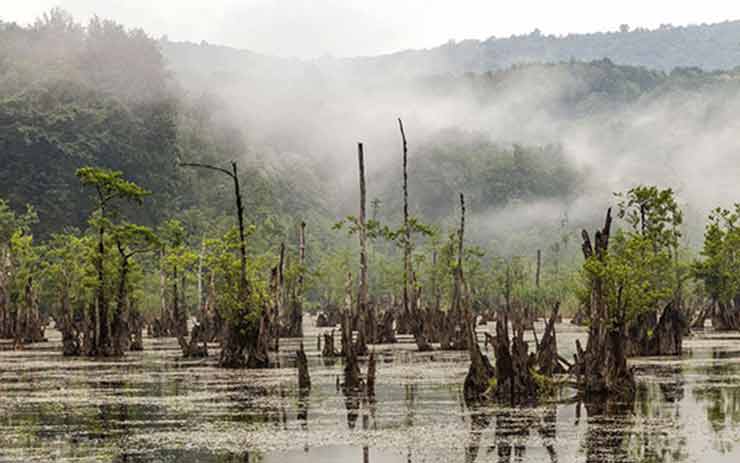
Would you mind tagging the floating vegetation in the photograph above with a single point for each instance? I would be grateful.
(154, 407)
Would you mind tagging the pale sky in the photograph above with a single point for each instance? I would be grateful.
(310, 28)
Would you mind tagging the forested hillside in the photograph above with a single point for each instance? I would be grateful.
(97, 94)
(706, 46)
(101, 95)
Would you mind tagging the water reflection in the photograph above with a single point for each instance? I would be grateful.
(153, 407)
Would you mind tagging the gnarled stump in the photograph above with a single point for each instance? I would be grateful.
(547, 354)
(515, 382)
(328, 350)
(602, 366)
(304, 380)
(386, 333)
(480, 375)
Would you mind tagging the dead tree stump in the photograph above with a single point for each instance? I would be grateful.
(328, 349)
(548, 359)
(602, 367)
(304, 380)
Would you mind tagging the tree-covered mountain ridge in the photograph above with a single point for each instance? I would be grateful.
(706, 46)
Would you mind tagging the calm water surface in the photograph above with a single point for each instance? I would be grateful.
(154, 407)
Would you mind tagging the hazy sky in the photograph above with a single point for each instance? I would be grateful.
(308, 28)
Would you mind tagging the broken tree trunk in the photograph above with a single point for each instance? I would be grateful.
(365, 321)
(386, 333)
(304, 380)
(328, 350)
(417, 318)
(234, 341)
(352, 379)
(548, 360)
(650, 335)
(480, 374)
(406, 314)
(515, 382)
(370, 381)
(726, 316)
(602, 367)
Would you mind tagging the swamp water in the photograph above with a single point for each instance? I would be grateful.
(154, 407)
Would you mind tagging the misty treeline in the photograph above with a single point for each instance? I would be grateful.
(133, 205)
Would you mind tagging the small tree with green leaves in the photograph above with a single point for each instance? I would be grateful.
(130, 240)
(11, 225)
(719, 268)
(69, 283)
(111, 190)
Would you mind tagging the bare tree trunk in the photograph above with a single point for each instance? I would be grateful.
(234, 342)
(362, 306)
(406, 229)
(349, 350)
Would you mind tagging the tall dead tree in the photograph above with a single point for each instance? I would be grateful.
(365, 325)
(602, 367)
(406, 229)
(411, 314)
(237, 338)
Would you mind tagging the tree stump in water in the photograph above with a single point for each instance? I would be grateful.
(258, 353)
(480, 375)
(328, 350)
(352, 380)
(136, 328)
(648, 335)
(197, 347)
(602, 366)
(515, 382)
(304, 380)
(725, 317)
(370, 382)
(581, 317)
(386, 333)
(547, 354)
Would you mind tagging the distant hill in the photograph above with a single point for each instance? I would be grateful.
(707, 46)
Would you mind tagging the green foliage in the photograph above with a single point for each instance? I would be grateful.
(11, 222)
(222, 259)
(67, 270)
(719, 267)
(110, 185)
(653, 213)
(640, 272)
(635, 277)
